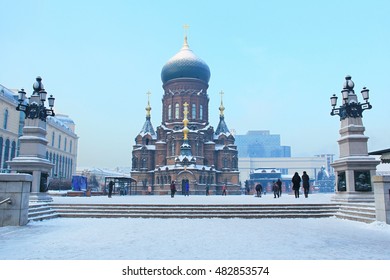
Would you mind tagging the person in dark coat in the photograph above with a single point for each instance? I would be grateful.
(207, 189)
(279, 183)
(305, 183)
(110, 188)
(275, 188)
(259, 190)
(296, 181)
(223, 190)
(173, 189)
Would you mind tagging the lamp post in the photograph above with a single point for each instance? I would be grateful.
(354, 168)
(34, 106)
(33, 143)
(350, 108)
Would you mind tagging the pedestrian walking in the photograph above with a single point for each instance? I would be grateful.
(259, 190)
(110, 188)
(305, 183)
(173, 189)
(223, 190)
(275, 188)
(149, 190)
(207, 189)
(296, 180)
(279, 182)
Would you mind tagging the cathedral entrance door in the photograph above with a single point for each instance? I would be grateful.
(184, 184)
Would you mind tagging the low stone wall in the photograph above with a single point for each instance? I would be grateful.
(17, 188)
(382, 198)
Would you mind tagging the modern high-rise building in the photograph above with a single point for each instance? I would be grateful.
(261, 144)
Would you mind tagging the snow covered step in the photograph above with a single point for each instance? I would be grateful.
(355, 218)
(39, 212)
(44, 217)
(363, 212)
(196, 215)
(196, 211)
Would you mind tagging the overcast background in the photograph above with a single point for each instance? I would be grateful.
(278, 63)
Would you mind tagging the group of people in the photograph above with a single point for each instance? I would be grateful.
(296, 181)
(276, 187)
(296, 185)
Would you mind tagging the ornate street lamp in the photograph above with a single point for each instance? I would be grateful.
(350, 106)
(34, 106)
(33, 143)
(354, 169)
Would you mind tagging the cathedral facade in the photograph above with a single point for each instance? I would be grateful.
(185, 148)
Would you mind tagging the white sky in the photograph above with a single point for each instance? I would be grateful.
(278, 63)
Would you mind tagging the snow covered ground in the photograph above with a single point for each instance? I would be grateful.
(196, 239)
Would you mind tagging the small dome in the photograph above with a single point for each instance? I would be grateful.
(185, 64)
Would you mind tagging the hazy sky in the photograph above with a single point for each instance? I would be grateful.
(278, 63)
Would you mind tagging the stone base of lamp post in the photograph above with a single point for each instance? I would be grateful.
(36, 167)
(351, 197)
(354, 178)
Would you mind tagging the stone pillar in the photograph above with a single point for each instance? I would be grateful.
(355, 168)
(32, 157)
(382, 198)
(16, 187)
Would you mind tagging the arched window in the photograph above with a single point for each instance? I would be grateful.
(193, 112)
(169, 112)
(177, 111)
(6, 153)
(173, 148)
(59, 141)
(66, 142)
(70, 146)
(57, 164)
(201, 112)
(5, 119)
(13, 149)
(225, 162)
(52, 139)
(71, 166)
(1, 151)
(235, 162)
(135, 163)
(60, 166)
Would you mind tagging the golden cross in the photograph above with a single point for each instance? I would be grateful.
(185, 121)
(221, 108)
(186, 27)
(148, 108)
(148, 93)
(185, 109)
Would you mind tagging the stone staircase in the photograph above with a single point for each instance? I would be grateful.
(41, 211)
(362, 212)
(246, 211)
(185, 211)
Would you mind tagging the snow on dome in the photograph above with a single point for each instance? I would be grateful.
(185, 64)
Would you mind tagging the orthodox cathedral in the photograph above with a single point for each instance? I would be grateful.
(185, 148)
